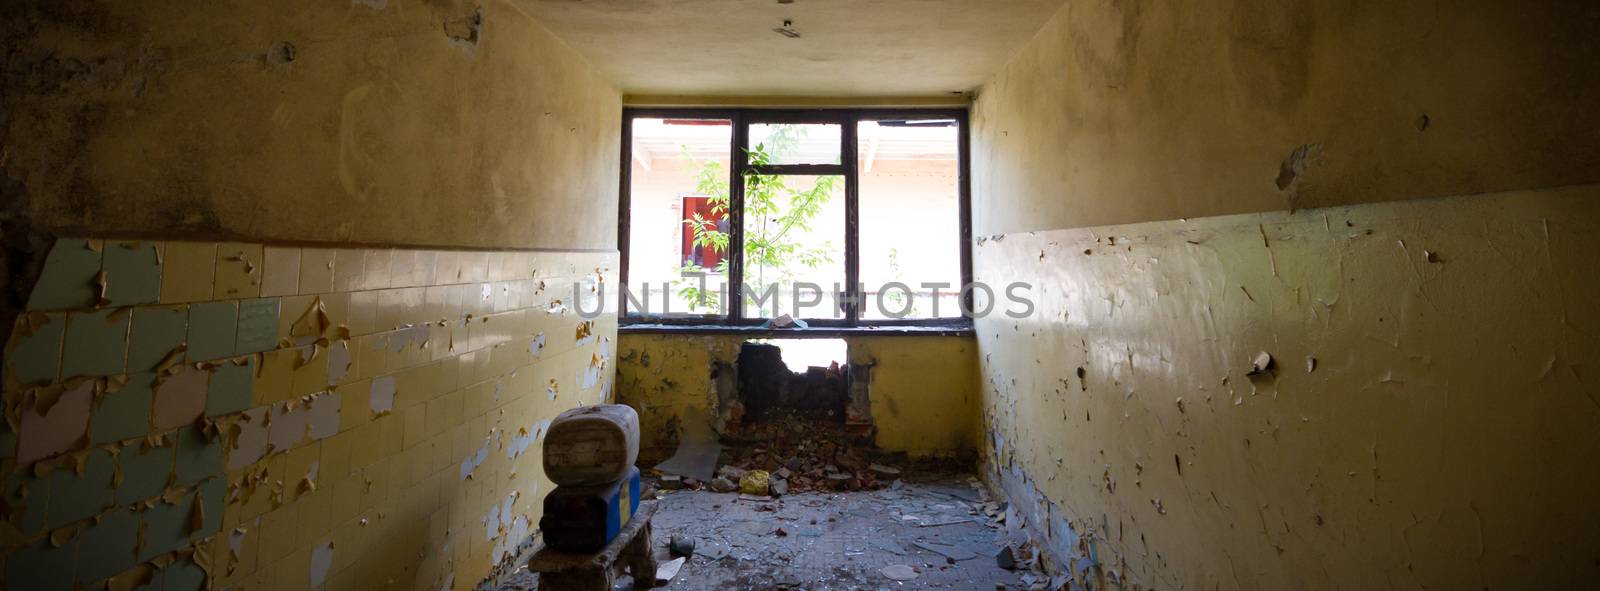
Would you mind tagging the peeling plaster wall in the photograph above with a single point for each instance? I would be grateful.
(1156, 111)
(923, 389)
(252, 416)
(1431, 407)
(439, 122)
(401, 180)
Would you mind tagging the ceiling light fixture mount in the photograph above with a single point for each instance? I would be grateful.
(787, 30)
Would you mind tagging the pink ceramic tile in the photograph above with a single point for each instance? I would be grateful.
(59, 429)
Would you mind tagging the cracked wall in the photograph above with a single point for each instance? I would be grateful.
(237, 415)
(1388, 200)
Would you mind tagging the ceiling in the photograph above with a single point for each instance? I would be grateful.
(846, 48)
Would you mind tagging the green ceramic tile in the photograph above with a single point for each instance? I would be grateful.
(97, 343)
(124, 414)
(76, 496)
(155, 333)
(183, 575)
(41, 566)
(166, 527)
(107, 548)
(231, 388)
(214, 494)
(68, 280)
(258, 326)
(32, 496)
(133, 273)
(198, 457)
(36, 358)
(212, 326)
(144, 472)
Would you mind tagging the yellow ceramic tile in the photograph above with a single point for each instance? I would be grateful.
(300, 463)
(416, 425)
(377, 274)
(187, 271)
(275, 375)
(279, 529)
(346, 493)
(474, 266)
(316, 270)
(372, 358)
(349, 269)
(290, 310)
(337, 306)
(310, 371)
(402, 268)
(280, 272)
(336, 453)
(447, 268)
(239, 268)
(294, 570)
(316, 515)
(369, 435)
(393, 435)
(423, 272)
(363, 314)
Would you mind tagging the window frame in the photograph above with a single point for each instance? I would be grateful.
(849, 120)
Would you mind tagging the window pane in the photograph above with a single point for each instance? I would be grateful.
(794, 143)
(793, 245)
(678, 218)
(910, 218)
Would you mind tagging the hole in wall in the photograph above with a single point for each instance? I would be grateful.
(806, 379)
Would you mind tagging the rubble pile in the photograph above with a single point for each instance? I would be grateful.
(794, 452)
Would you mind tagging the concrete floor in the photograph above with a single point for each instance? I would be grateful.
(825, 541)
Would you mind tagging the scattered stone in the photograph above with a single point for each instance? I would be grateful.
(681, 546)
(1006, 559)
(671, 482)
(754, 482)
(733, 473)
(885, 471)
(899, 572)
(669, 570)
(723, 485)
(779, 487)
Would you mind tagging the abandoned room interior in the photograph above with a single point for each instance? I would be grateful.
(800, 294)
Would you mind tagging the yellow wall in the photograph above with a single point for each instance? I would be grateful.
(1121, 112)
(1430, 445)
(923, 389)
(129, 119)
(462, 134)
(285, 417)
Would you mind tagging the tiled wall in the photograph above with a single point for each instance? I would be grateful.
(284, 417)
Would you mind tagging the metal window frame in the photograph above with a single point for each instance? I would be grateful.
(849, 120)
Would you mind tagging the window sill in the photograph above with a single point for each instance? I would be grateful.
(942, 330)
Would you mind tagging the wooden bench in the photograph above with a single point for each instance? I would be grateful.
(560, 571)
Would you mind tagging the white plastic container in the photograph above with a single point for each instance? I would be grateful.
(591, 445)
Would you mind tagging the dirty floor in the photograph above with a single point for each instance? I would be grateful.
(832, 540)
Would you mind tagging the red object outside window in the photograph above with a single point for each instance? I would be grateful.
(704, 256)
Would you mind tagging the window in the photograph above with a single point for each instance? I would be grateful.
(839, 218)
